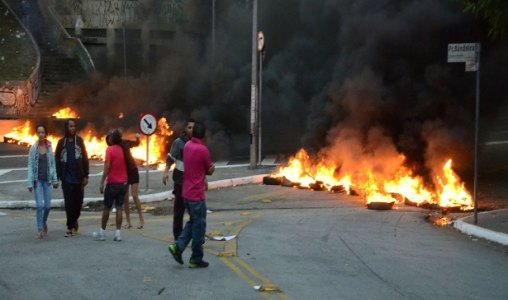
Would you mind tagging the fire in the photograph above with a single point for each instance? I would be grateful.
(65, 113)
(24, 135)
(374, 186)
(451, 191)
(96, 145)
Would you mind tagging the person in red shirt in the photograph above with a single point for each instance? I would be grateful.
(198, 164)
(115, 171)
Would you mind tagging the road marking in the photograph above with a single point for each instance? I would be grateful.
(13, 156)
(3, 214)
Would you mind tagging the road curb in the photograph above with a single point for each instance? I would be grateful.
(464, 225)
(218, 184)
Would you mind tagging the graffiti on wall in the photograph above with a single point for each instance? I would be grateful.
(116, 13)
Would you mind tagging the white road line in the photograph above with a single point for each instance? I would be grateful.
(13, 156)
(2, 214)
(2, 172)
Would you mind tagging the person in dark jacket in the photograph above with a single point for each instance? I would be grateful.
(175, 156)
(72, 169)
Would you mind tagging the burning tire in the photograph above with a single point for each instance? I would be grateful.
(268, 180)
(338, 189)
(380, 205)
(289, 183)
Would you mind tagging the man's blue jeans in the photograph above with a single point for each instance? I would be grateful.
(194, 229)
(42, 191)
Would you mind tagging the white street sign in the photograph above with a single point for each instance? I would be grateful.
(467, 53)
(462, 52)
(147, 124)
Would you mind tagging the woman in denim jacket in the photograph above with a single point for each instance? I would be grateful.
(41, 175)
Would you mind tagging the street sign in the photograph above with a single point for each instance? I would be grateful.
(261, 41)
(147, 123)
(467, 53)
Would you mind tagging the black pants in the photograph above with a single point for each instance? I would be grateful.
(73, 199)
(178, 211)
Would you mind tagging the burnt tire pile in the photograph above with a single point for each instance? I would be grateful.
(318, 186)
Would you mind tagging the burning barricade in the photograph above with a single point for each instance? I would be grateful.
(381, 190)
(96, 144)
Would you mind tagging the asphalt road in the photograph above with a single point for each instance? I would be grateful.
(302, 244)
(294, 244)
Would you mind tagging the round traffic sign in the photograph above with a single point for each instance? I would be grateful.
(147, 123)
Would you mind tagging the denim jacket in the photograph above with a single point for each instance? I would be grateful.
(33, 165)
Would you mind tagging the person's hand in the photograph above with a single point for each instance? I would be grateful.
(30, 189)
(101, 188)
(137, 135)
(165, 178)
(85, 181)
(55, 185)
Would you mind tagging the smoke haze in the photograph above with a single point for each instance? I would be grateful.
(356, 81)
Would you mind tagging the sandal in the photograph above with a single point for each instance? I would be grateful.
(68, 233)
(140, 227)
(39, 236)
(127, 226)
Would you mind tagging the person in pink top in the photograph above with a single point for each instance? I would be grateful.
(115, 172)
(198, 164)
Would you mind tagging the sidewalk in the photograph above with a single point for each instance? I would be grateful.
(15, 194)
(492, 225)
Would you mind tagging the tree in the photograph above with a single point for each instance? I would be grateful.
(495, 12)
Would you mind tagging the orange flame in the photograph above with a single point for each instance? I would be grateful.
(374, 187)
(96, 145)
(65, 113)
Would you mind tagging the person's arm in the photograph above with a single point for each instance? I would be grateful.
(30, 177)
(107, 166)
(211, 170)
(170, 160)
(58, 152)
(86, 164)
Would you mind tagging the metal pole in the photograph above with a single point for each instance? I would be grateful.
(213, 32)
(124, 55)
(477, 118)
(147, 159)
(259, 104)
(253, 89)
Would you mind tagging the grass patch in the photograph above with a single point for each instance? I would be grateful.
(17, 52)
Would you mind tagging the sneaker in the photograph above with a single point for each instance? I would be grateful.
(98, 236)
(68, 233)
(198, 264)
(118, 236)
(75, 230)
(177, 255)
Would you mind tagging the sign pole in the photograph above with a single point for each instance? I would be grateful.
(477, 117)
(469, 53)
(147, 125)
(147, 159)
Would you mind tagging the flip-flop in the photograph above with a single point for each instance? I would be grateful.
(140, 227)
(127, 226)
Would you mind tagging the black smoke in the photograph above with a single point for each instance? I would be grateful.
(359, 73)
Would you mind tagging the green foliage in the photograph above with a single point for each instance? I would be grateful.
(17, 53)
(495, 12)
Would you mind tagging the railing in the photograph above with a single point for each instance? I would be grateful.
(72, 47)
(17, 96)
